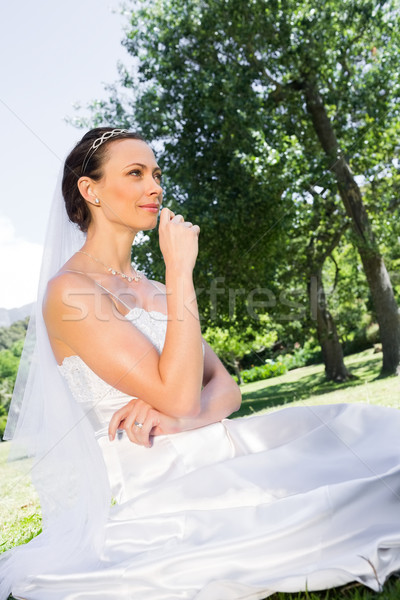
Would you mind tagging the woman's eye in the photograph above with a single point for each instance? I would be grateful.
(136, 172)
(158, 177)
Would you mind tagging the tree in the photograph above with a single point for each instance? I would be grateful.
(231, 342)
(281, 90)
(16, 331)
(322, 243)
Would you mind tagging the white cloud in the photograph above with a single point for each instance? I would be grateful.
(19, 267)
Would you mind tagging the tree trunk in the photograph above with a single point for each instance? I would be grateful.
(236, 365)
(332, 353)
(386, 308)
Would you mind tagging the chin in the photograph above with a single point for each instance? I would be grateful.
(150, 227)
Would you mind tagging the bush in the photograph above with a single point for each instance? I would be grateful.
(3, 421)
(372, 334)
(270, 369)
(13, 333)
(301, 357)
(8, 364)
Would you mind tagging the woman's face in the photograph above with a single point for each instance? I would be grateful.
(130, 190)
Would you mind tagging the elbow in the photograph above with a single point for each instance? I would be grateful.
(182, 408)
(187, 411)
(236, 397)
(238, 402)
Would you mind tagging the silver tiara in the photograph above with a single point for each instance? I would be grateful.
(98, 142)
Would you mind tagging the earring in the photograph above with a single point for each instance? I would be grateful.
(97, 201)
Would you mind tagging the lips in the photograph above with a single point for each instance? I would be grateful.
(154, 208)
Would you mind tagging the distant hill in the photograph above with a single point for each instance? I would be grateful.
(9, 335)
(8, 316)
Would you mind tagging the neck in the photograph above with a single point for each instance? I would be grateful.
(114, 251)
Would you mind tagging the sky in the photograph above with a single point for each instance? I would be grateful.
(54, 54)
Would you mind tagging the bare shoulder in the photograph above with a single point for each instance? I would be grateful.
(66, 293)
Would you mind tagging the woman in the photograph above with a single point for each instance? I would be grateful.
(147, 491)
(113, 207)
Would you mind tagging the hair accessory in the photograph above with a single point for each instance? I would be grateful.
(136, 277)
(98, 142)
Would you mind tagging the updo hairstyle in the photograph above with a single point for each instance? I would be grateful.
(83, 160)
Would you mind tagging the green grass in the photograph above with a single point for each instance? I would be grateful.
(19, 507)
(353, 591)
(308, 386)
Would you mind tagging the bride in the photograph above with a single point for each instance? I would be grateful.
(147, 490)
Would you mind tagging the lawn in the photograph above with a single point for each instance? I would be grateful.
(19, 508)
(308, 386)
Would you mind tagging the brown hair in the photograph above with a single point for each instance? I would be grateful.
(83, 160)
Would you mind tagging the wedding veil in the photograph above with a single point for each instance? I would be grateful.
(47, 425)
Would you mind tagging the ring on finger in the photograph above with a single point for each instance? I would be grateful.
(137, 424)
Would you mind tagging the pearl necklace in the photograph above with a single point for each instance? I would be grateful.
(136, 277)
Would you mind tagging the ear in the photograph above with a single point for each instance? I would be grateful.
(85, 186)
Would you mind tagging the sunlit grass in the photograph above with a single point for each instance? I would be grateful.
(19, 506)
(307, 385)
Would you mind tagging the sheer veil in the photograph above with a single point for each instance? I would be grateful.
(48, 426)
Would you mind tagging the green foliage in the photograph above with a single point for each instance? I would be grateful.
(23, 531)
(15, 332)
(8, 363)
(3, 421)
(301, 357)
(232, 342)
(221, 90)
(270, 369)
(308, 385)
(11, 341)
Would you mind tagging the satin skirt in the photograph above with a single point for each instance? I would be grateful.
(302, 498)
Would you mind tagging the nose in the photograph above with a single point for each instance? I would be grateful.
(153, 187)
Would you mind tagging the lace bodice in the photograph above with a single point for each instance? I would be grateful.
(99, 399)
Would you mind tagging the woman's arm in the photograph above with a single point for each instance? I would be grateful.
(220, 397)
(82, 320)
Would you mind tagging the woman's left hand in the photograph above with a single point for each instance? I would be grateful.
(138, 419)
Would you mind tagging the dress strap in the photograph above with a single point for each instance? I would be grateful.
(109, 292)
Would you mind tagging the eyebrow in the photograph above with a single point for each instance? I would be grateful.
(157, 168)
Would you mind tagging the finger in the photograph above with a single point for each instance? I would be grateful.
(144, 433)
(118, 418)
(134, 433)
(131, 433)
(141, 435)
(188, 224)
(165, 216)
(142, 425)
(178, 219)
(196, 229)
(130, 427)
(135, 421)
(115, 422)
(152, 422)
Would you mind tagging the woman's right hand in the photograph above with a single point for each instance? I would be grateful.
(178, 241)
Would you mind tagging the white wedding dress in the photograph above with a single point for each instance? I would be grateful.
(302, 498)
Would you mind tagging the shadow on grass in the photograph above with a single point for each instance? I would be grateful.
(286, 392)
